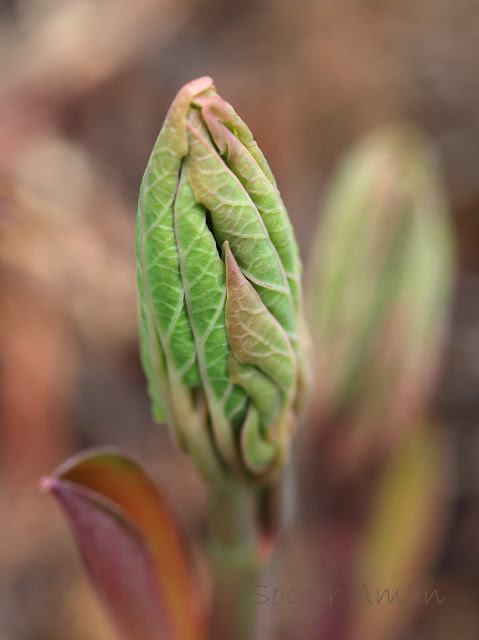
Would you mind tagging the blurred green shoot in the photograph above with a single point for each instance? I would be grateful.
(380, 293)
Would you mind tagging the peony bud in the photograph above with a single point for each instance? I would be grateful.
(380, 291)
(220, 297)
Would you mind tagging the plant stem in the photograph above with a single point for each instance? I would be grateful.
(237, 561)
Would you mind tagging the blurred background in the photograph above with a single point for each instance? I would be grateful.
(84, 88)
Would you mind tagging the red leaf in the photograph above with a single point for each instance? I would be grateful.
(131, 545)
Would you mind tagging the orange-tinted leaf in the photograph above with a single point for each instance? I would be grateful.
(131, 544)
(402, 536)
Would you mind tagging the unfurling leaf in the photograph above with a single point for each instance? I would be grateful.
(380, 290)
(404, 530)
(220, 298)
(131, 545)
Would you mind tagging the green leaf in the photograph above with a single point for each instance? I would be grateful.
(215, 110)
(263, 392)
(168, 342)
(254, 334)
(204, 283)
(258, 453)
(242, 155)
(236, 220)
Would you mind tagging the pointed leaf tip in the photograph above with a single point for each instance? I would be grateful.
(131, 545)
(46, 483)
(255, 336)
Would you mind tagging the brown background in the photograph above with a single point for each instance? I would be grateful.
(84, 87)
